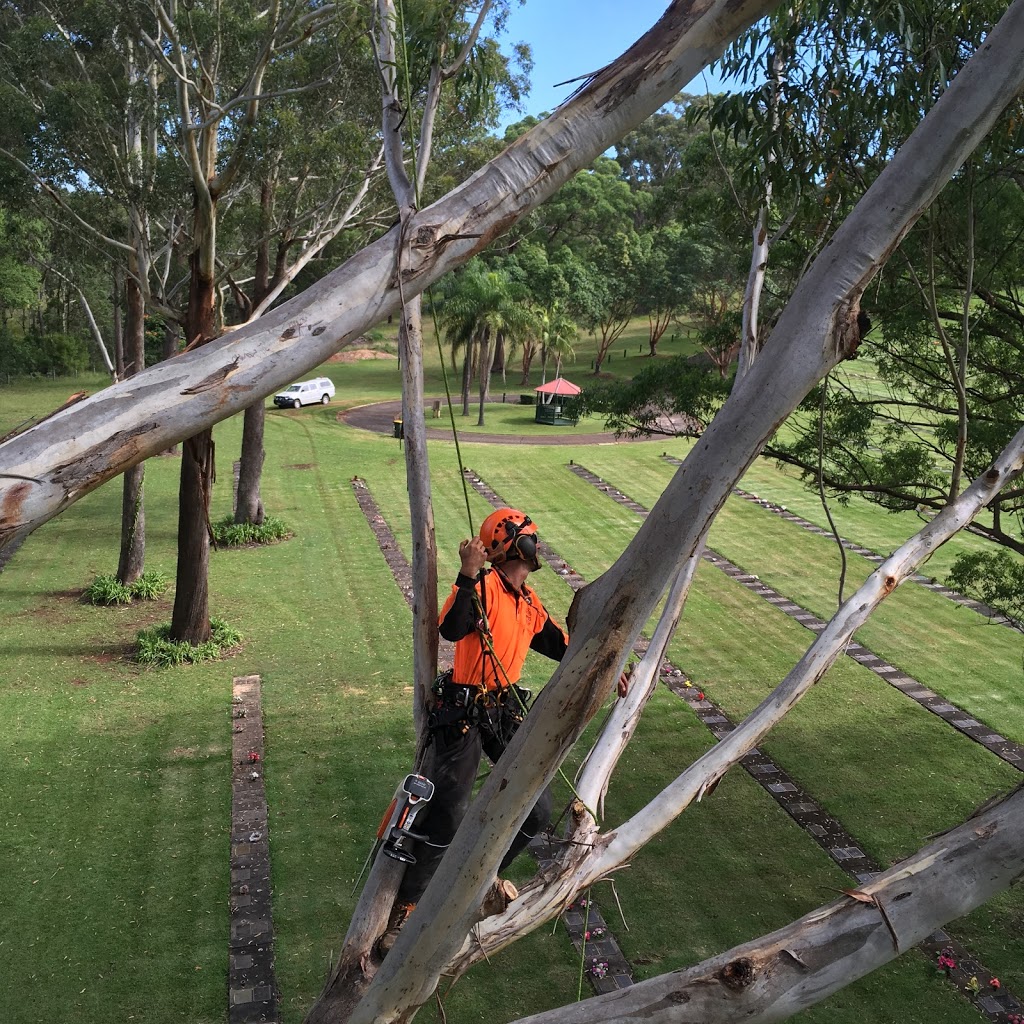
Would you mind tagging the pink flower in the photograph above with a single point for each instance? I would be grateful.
(995, 983)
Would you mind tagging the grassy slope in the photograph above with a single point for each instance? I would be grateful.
(120, 779)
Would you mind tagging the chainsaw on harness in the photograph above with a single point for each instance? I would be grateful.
(396, 827)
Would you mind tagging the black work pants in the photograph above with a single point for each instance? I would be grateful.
(456, 764)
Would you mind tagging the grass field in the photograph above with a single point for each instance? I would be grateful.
(115, 797)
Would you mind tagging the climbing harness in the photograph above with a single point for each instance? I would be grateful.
(500, 710)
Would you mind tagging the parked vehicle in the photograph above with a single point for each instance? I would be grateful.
(306, 392)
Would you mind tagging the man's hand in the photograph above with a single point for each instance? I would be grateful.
(623, 684)
(473, 555)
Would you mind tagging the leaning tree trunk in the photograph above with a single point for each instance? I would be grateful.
(201, 387)
(132, 559)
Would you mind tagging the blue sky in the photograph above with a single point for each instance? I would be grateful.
(574, 37)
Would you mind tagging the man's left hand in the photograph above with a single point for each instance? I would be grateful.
(623, 684)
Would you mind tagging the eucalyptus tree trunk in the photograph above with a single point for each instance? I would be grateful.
(97, 334)
(410, 357)
(467, 376)
(750, 327)
(248, 502)
(117, 329)
(190, 618)
(132, 559)
(487, 346)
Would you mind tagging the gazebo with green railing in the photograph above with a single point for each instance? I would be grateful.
(555, 402)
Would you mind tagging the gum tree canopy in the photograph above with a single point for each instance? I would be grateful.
(50, 466)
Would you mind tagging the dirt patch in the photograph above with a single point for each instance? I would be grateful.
(71, 595)
(301, 465)
(122, 652)
(356, 355)
(80, 682)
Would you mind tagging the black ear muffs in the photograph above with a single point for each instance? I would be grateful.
(526, 547)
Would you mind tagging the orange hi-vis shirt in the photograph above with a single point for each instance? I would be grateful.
(518, 622)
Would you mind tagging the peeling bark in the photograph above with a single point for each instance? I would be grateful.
(297, 336)
(776, 976)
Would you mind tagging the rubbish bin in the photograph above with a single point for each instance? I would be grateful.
(399, 432)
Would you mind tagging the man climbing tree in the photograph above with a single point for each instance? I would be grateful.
(494, 619)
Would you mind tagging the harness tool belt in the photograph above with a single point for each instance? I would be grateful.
(468, 705)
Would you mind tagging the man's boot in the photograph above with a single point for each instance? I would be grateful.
(399, 915)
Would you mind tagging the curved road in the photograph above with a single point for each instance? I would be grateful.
(380, 419)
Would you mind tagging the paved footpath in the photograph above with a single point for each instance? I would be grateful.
(1007, 750)
(252, 988)
(872, 556)
(826, 830)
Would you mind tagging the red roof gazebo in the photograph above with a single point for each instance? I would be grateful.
(553, 397)
(559, 386)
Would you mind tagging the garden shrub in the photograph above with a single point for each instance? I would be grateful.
(108, 589)
(156, 648)
(228, 533)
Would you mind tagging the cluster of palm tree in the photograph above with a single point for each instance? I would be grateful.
(490, 318)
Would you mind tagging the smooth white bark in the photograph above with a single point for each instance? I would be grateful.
(79, 449)
(596, 856)
(815, 332)
(776, 976)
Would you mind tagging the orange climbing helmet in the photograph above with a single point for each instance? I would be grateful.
(508, 535)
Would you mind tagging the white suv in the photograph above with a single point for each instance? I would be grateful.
(306, 392)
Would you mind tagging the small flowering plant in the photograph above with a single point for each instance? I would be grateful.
(598, 968)
(946, 961)
(594, 933)
(995, 983)
(1015, 1018)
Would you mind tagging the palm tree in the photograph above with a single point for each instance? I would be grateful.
(559, 333)
(483, 309)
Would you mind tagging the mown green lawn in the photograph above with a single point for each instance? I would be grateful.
(115, 797)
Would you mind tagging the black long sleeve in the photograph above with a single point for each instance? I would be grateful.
(462, 616)
(550, 641)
